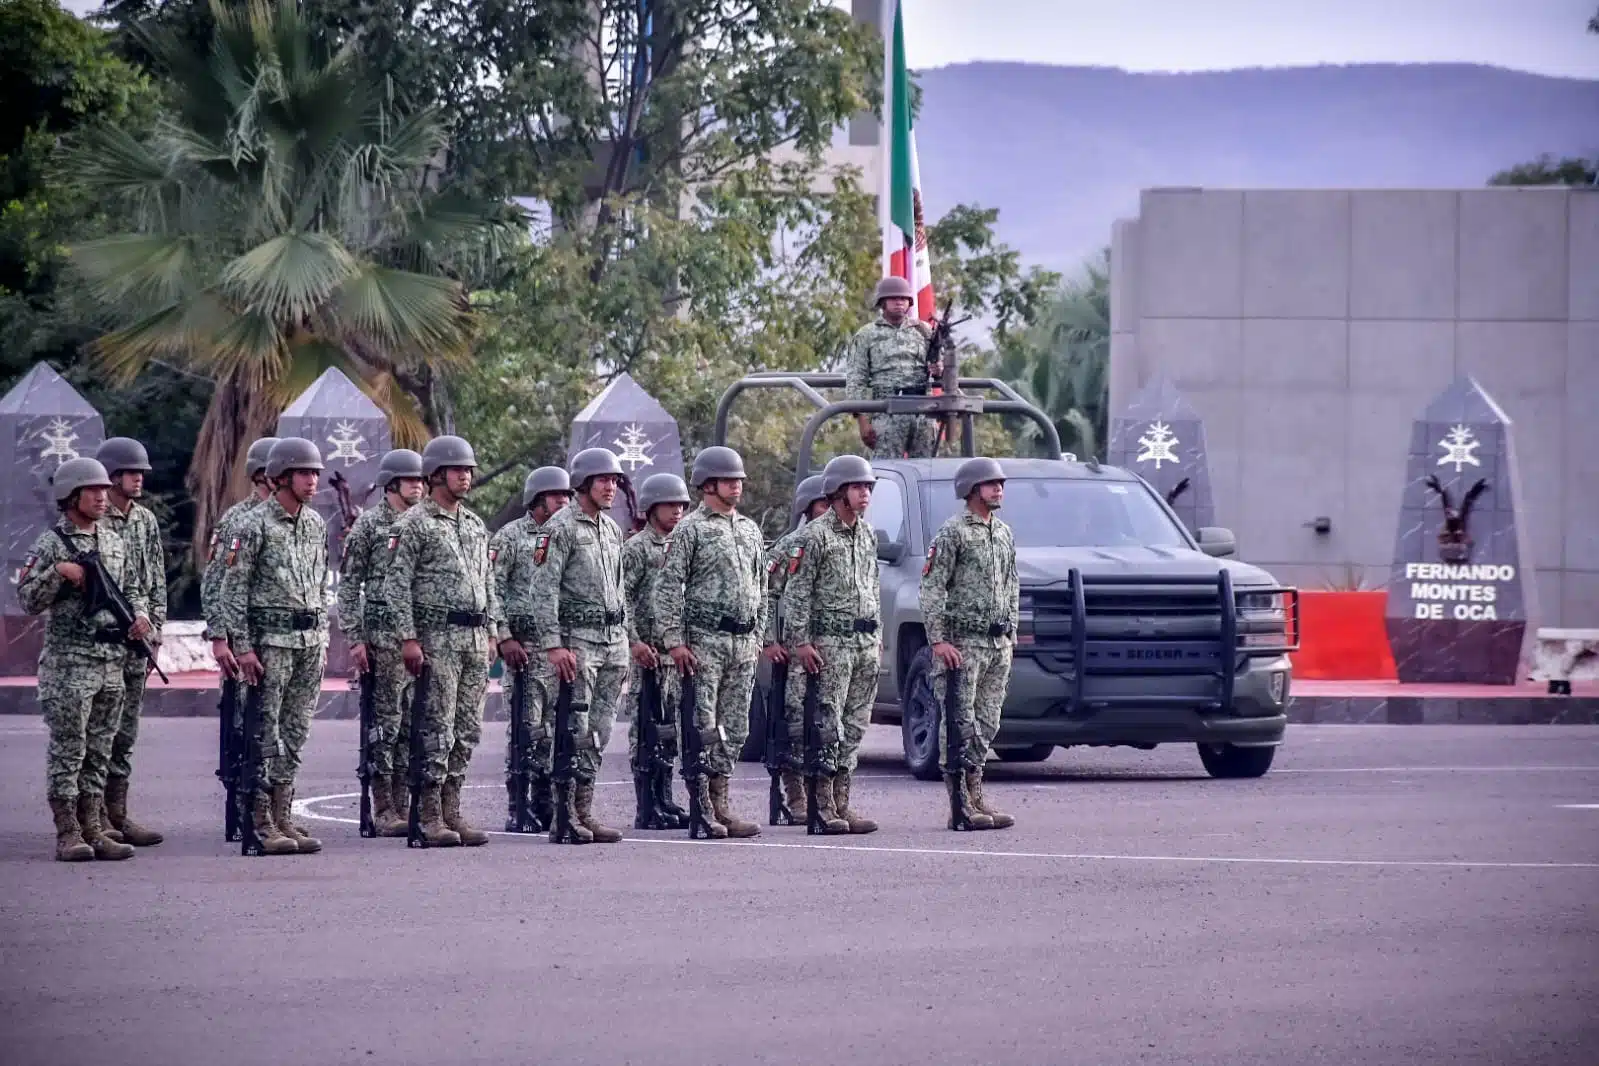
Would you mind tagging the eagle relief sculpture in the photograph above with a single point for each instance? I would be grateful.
(1454, 539)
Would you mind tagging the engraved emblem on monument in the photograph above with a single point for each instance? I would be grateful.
(58, 438)
(1161, 438)
(633, 424)
(1459, 447)
(346, 441)
(635, 445)
(1157, 444)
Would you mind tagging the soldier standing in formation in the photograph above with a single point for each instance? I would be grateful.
(441, 596)
(662, 498)
(273, 606)
(970, 602)
(126, 460)
(831, 607)
(810, 502)
(81, 666)
(888, 358)
(374, 645)
(710, 604)
(255, 462)
(580, 621)
(546, 491)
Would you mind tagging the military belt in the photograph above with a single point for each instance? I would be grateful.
(469, 619)
(843, 627)
(995, 629)
(585, 614)
(523, 627)
(109, 636)
(269, 620)
(705, 616)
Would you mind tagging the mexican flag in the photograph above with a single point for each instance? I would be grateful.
(900, 204)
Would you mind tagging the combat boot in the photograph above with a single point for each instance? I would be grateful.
(701, 787)
(794, 794)
(273, 842)
(583, 800)
(111, 831)
(470, 835)
(822, 787)
(677, 816)
(647, 812)
(400, 804)
(116, 811)
(962, 815)
(722, 809)
(282, 801)
(434, 831)
(566, 811)
(382, 804)
(94, 830)
(543, 799)
(856, 823)
(70, 846)
(974, 788)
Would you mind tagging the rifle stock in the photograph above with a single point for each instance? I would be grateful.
(369, 739)
(561, 829)
(229, 745)
(653, 763)
(814, 822)
(778, 748)
(521, 817)
(694, 772)
(418, 755)
(960, 815)
(250, 773)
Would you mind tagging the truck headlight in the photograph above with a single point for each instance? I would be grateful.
(1260, 602)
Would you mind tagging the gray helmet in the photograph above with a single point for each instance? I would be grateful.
(974, 472)
(809, 491)
(544, 479)
(123, 453)
(446, 451)
(892, 286)
(716, 462)
(591, 462)
(75, 474)
(400, 462)
(293, 453)
(846, 470)
(662, 488)
(255, 460)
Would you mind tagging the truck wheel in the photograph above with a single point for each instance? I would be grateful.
(919, 719)
(1229, 760)
(1031, 753)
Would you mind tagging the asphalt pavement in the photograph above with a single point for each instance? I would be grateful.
(1386, 894)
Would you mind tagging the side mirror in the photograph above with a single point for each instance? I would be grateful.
(1218, 542)
(889, 551)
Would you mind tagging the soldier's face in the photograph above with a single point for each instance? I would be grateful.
(992, 493)
(130, 483)
(93, 502)
(303, 483)
(857, 498)
(896, 308)
(667, 515)
(729, 490)
(602, 490)
(458, 480)
(817, 509)
(411, 489)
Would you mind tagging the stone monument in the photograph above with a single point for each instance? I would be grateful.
(43, 423)
(634, 425)
(352, 433)
(1461, 593)
(1162, 439)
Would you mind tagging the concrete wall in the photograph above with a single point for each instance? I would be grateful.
(1310, 327)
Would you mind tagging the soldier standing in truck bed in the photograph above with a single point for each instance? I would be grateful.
(889, 358)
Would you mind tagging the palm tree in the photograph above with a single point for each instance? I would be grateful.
(283, 219)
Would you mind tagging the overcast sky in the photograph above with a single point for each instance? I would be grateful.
(1545, 36)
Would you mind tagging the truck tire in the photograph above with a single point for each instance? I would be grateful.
(1231, 761)
(1031, 753)
(919, 719)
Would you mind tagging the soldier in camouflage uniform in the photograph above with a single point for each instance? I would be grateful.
(830, 606)
(255, 461)
(273, 605)
(810, 503)
(446, 612)
(710, 602)
(663, 498)
(970, 598)
(374, 646)
(546, 491)
(127, 462)
(81, 665)
(889, 358)
(580, 618)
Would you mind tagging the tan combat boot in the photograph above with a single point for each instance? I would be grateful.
(974, 788)
(116, 811)
(111, 831)
(856, 823)
(794, 795)
(70, 846)
(701, 787)
(434, 831)
(470, 835)
(382, 804)
(399, 824)
(94, 830)
(831, 823)
(722, 810)
(955, 785)
(273, 842)
(583, 801)
(282, 803)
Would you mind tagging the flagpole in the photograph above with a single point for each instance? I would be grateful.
(885, 138)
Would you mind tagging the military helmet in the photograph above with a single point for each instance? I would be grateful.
(893, 285)
(398, 463)
(809, 491)
(974, 472)
(293, 453)
(75, 474)
(593, 462)
(123, 453)
(716, 462)
(446, 451)
(544, 479)
(662, 488)
(846, 470)
(255, 460)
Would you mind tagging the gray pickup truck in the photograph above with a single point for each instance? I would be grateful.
(1134, 631)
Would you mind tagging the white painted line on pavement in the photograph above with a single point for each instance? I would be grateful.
(1578, 806)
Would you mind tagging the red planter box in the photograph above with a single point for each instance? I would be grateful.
(1343, 637)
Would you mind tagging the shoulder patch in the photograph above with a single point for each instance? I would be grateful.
(541, 548)
(795, 554)
(27, 567)
(211, 549)
(494, 555)
(394, 541)
(233, 550)
(932, 553)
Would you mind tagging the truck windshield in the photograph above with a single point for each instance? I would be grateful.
(1054, 513)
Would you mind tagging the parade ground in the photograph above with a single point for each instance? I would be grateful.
(1385, 894)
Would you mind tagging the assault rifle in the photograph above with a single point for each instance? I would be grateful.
(694, 771)
(249, 775)
(943, 364)
(230, 749)
(520, 818)
(779, 748)
(561, 830)
(654, 766)
(101, 593)
(369, 739)
(348, 511)
(814, 822)
(960, 815)
(418, 755)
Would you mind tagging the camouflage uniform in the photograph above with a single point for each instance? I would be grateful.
(883, 361)
(511, 552)
(643, 556)
(211, 576)
(141, 537)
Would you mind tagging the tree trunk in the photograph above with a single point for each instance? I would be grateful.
(237, 417)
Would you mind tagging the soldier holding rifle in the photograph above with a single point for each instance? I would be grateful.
(888, 358)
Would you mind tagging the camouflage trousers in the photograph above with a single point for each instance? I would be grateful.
(393, 688)
(723, 683)
(846, 688)
(135, 673)
(539, 713)
(915, 436)
(984, 680)
(458, 681)
(290, 685)
(596, 695)
(81, 698)
(671, 694)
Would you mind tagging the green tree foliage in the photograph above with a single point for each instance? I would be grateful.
(1546, 169)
